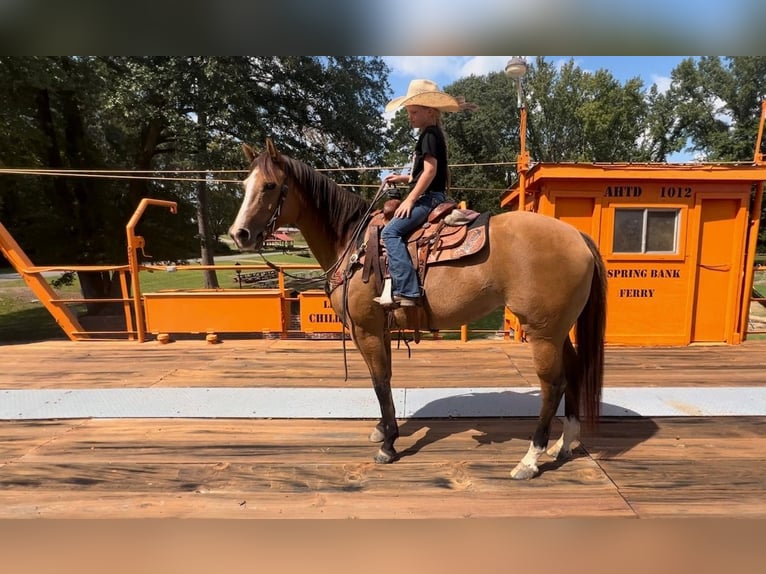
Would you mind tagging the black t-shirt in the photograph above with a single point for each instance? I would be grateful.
(431, 142)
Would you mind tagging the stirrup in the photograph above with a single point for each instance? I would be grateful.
(385, 298)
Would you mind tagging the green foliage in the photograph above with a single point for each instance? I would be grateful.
(488, 134)
(168, 113)
(582, 116)
(572, 116)
(717, 102)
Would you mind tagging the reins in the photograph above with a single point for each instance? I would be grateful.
(353, 241)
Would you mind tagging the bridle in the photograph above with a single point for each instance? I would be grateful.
(271, 226)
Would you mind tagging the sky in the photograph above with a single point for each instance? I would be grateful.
(445, 70)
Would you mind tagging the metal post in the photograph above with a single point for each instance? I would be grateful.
(135, 243)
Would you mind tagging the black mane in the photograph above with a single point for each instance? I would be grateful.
(343, 208)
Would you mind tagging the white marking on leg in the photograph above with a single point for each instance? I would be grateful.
(569, 439)
(527, 467)
(533, 455)
(571, 435)
(556, 448)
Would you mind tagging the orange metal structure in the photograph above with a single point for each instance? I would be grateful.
(33, 277)
(688, 276)
(164, 313)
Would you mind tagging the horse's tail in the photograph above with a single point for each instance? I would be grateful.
(591, 326)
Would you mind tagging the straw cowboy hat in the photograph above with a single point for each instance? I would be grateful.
(425, 93)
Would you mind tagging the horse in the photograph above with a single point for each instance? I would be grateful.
(550, 275)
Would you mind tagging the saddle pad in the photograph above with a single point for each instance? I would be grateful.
(476, 237)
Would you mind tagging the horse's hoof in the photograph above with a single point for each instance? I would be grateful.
(383, 457)
(559, 453)
(554, 451)
(377, 435)
(563, 455)
(523, 472)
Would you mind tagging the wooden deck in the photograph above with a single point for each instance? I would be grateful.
(252, 468)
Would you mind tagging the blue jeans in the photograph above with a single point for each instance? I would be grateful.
(404, 277)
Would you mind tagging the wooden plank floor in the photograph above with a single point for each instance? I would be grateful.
(223, 468)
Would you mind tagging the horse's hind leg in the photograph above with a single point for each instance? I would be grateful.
(570, 438)
(549, 366)
(376, 351)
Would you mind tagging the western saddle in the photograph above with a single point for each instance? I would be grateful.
(448, 234)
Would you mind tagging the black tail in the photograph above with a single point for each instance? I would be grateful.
(591, 326)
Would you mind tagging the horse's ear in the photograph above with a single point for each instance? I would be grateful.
(250, 153)
(272, 151)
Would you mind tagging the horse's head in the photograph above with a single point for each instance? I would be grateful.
(262, 209)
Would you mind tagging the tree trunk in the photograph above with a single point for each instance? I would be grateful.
(59, 192)
(101, 285)
(203, 214)
(205, 239)
(151, 136)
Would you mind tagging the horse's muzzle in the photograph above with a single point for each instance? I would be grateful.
(244, 239)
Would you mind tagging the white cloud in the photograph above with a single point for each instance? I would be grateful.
(483, 65)
(426, 66)
(662, 83)
(446, 68)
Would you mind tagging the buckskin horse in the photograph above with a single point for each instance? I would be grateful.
(550, 275)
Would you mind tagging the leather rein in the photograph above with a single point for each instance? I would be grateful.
(332, 271)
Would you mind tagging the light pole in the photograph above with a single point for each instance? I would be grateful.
(515, 69)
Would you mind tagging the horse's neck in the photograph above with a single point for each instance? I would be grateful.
(321, 233)
(325, 247)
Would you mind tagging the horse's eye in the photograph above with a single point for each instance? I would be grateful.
(269, 186)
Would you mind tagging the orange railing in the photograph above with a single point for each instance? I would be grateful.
(257, 311)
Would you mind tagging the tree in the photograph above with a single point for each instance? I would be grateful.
(572, 116)
(718, 105)
(62, 125)
(582, 116)
(718, 102)
(488, 134)
(662, 136)
(159, 113)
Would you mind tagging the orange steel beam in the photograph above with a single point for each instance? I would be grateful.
(39, 286)
(463, 328)
(126, 305)
(136, 242)
(522, 161)
(752, 237)
(758, 157)
(752, 240)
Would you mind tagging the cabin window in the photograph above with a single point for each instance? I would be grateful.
(645, 231)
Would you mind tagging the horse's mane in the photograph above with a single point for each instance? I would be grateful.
(343, 208)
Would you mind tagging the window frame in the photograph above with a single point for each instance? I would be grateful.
(678, 233)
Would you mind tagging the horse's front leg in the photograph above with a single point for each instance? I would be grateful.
(376, 351)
